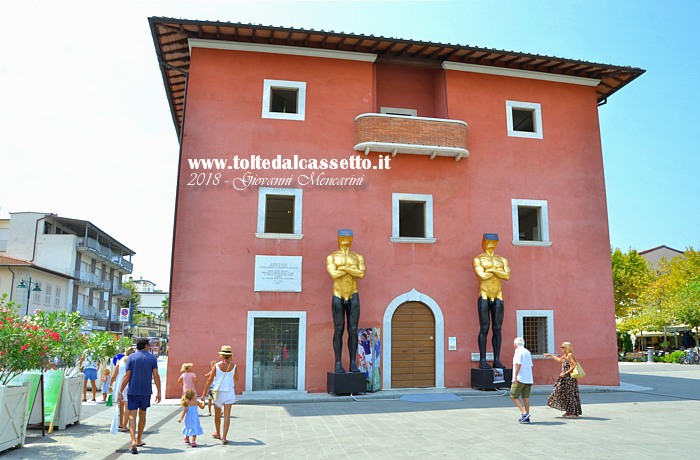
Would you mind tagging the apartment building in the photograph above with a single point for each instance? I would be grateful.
(287, 135)
(66, 264)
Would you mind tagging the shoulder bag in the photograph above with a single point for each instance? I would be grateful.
(578, 372)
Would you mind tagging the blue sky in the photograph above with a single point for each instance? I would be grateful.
(85, 129)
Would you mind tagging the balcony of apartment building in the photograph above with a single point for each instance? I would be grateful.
(120, 291)
(93, 247)
(401, 134)
(91, 280)
(86, 311)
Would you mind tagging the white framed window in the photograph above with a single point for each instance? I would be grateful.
(412, 218)
(537, 328)
(47, 294)
(57, 296)
(398, 111)
(524, 119)
(284, 100)
(530, 222)
(279, 213)
(266, 352)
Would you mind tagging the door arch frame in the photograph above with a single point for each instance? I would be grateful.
(414, 296)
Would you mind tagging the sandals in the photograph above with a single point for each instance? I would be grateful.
(216, 436)
(194, 444)
(224, 441)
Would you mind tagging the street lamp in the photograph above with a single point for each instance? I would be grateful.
(28, 286)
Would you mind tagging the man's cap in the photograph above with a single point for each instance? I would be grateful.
(490, 236)
(345, 232)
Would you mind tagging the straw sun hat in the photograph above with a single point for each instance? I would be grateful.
(225, 350)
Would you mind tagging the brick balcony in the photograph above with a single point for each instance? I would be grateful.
(396, 134)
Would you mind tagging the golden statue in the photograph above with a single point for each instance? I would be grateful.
(490, 268)
(345, 267)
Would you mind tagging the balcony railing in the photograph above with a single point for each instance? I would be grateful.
(120, 291)
(91, 246)
(375, 132)
(86, 311)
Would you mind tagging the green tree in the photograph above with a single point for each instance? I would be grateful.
(135, 299)
(631, 275)
(166, 308)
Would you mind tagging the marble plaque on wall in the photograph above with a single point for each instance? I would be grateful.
(277, 274)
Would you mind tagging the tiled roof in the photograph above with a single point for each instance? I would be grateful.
(171, 38)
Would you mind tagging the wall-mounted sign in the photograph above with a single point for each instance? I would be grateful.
(277, 274)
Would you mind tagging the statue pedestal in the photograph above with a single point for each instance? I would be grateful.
(347, 383)
(483, 379)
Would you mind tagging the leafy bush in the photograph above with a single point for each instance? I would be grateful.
(674, 357)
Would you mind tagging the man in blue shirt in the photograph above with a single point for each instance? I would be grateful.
(141, 367)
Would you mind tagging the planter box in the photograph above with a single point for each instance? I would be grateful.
(13, 416)
(70, 404)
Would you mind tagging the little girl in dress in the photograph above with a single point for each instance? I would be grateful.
(189, 412)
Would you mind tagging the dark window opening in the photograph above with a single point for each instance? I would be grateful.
(535, 334)
(284, 100)
(523, 120)
(529, 224)
(279, 214)
(411, 219)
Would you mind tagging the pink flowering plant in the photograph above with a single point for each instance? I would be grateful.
(24, 343)
(72, 343)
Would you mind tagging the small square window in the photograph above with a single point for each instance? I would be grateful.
(536, 327)
(535, 334)
(279, 213)
(284, 100)
(412, 218)
(530, 222)
(524, 119)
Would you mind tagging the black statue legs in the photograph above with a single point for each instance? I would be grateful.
(490, 312)
(343, 308)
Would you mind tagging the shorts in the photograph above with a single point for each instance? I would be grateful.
(90, 374)
(225, 397)
(518, 389)
(141, 402)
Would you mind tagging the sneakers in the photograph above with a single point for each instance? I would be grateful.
(525, 418)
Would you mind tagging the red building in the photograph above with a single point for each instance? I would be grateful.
(433, 145)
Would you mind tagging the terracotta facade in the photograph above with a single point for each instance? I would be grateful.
(565, 278)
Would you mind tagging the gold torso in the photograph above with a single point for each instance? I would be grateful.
(345, 268)
(491, 269)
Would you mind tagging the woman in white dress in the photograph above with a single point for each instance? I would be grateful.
(118, 376)
(222, 378)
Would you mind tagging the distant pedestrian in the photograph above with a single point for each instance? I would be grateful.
(89, 366)
(106, 384)
(188, 379)
(141, 369)
(223, 376)
(192, 427)
(565, 395)
(522, 379)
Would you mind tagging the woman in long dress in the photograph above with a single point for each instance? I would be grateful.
(222, 378)
(565, 395)
(118, 376)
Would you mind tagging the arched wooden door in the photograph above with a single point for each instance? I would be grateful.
(413, 346)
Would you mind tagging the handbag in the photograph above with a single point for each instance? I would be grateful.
(578, 372)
